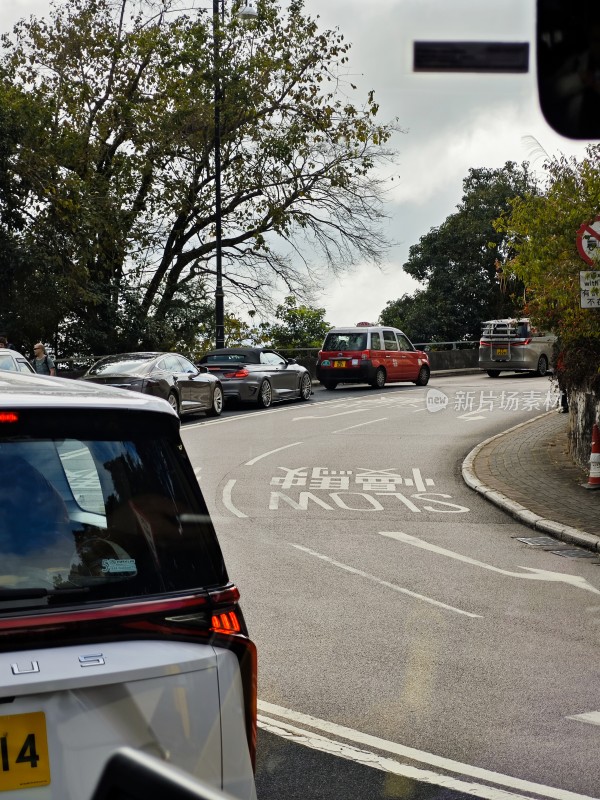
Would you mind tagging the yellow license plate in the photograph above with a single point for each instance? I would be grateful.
(24, 761)
(501, 351)
(339, 363)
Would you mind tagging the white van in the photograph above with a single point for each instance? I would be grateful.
(513, 345)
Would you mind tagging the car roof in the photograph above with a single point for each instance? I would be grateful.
(13, 353)
(20, 390)
(146, 355)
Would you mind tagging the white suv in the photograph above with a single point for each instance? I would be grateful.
(118, 622)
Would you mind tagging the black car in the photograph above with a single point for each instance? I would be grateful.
(258, 375)
(187, 388)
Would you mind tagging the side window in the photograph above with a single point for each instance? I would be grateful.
(376, 341)
(389, 337)
(272, 359)
(24, 366)
(186, 366)
(160, 367)
(82, 475)
(403, 342)
(172, 364)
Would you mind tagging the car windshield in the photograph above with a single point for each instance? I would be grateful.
(115, 515)
(124, 367)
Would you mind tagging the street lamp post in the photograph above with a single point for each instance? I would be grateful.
(246, 11)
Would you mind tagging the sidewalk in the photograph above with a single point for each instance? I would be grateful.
(528, 472)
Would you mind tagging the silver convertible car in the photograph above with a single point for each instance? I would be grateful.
(258, 375)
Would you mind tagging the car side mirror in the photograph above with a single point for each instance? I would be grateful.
(292, 361)
(201, 368)
(568, 67)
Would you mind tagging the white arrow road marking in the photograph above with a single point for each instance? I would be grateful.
(388, 585)
(270, 453)
(531, 574)
(508, 782)
(591, 717)
(227, 501)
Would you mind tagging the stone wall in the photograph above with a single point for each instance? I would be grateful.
(584, 411)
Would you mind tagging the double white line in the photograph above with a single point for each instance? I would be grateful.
(391, 757)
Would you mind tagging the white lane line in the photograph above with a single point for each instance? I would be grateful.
(369, 759)
(419, 756)
(361, 424)
(328, 416)
(270, 453)
(531, 573)
(227, 501)
(387, 584)
(591, 717)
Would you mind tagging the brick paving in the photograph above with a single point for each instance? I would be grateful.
(531, 466)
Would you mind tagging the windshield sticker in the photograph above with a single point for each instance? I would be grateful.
(114, 566)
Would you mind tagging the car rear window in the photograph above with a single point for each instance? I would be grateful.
(345, 341)
(108, 508)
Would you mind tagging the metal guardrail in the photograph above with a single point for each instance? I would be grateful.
(442, 355)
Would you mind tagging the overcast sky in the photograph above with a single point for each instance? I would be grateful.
(452, 122)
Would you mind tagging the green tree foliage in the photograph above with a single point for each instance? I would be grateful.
(541, 231)
(459, 263)
(119, 163)
(299, 326)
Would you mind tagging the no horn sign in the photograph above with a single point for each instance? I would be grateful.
(588, 241)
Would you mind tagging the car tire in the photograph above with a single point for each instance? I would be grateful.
(173, 401)
(305, 387)
(378, 381)
(542, 366)
(217, 403)
(423, 376)
(493, 373)
(265, 395)
(329, 385)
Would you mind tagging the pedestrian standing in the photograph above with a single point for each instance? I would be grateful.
(3, 341)
(42, 363)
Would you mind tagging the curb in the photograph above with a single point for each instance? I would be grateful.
(565, 533)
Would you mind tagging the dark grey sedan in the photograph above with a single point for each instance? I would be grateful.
(258, 375)
(189, 389)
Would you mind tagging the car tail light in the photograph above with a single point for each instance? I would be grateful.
(9, 416)
(483, 343)
(240, 373)
(213, 618)
(521, 344)
(150, 382)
